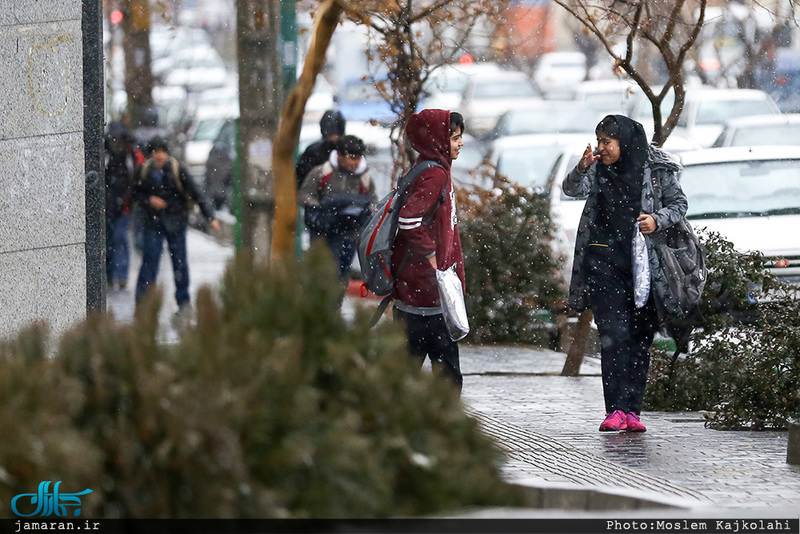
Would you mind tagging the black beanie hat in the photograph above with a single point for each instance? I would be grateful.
(332, 123)
(350, 144)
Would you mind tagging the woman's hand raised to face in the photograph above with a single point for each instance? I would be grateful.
(587, 159)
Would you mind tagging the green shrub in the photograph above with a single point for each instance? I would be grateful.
(511, 268)
(270, 406)
(743, 367)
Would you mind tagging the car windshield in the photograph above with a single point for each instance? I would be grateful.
(742, 189)
(572, 119)
(503, 89)
(718, 111)
(208, 129)
(528, 166)
(784, 134)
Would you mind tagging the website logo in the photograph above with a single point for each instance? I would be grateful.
(46, 503)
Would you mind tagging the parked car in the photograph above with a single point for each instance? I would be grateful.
(751, 197)
(783, 129)
(206, 126)
(612, 96)
(556, 74)
(706, 110)
(782, 83)
(487, 96)
(218, 182)
(360, 100)
(445, 86)
(546, 116)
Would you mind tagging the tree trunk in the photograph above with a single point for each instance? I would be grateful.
(577, 349)
(136, 43)
(326, 19)
(260, 96)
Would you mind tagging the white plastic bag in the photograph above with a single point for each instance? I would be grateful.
(451, 296)
(641, 269)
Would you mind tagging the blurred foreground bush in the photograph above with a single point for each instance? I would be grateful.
(744, 363)
(513, 285)
(270, 406)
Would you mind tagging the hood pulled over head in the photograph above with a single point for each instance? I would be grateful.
(429, 134)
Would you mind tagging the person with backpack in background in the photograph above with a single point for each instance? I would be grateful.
(336, 197)
(428, 240)
(626, 180)
(121, 158)
(163, 188)
(332, 126)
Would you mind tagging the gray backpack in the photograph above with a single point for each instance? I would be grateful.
(377, 235)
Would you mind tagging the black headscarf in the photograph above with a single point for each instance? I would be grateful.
(633, 148)
(620, 184)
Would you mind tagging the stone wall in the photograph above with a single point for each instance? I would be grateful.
(43, 219)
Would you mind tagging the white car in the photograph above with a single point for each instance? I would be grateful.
(783, 129)
(557, 74)
(614, 96)
(705, 111)
(445, 85)
(751, 197)
(547, 116)
(487, 96)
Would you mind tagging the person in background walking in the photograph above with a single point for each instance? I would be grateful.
(339, 192)
(427, 240)
(121, 159)
(332, 126)
(618, 179)
(163, 188)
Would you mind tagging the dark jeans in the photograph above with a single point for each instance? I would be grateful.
(153, 239)
(343, 249)
(626, 332)
(427, 336)
(117, 251)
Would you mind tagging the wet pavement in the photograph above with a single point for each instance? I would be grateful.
(548, 424)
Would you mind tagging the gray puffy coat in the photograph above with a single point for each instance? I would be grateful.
(662, 169)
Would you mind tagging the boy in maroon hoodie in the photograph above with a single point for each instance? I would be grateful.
(427, 240)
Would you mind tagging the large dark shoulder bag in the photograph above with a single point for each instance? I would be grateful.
(683, 265)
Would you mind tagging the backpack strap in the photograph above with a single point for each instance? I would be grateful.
(381, 309)
(143, 170)
(176, 175)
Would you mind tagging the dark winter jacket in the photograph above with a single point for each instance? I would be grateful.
(659, 166)
(175, 217)
(328, 179)
(119, 168)
(428, 219)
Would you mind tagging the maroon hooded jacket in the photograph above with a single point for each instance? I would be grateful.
(428, 221)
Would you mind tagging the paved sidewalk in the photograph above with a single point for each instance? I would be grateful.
(548, 424)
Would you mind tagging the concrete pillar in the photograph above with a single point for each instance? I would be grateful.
(793, 449)
(47, 158)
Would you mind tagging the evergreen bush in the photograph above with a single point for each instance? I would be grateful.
(512, 280)
(744, 364)
(271, 405)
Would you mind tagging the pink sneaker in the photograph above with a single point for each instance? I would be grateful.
(615, 420)
(634, 424)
